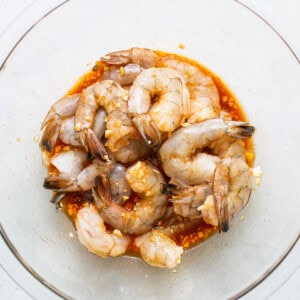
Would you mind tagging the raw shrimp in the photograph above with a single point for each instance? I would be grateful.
(143, 57)
(120, 129)
(181, 154)
(232, 189)
(135, 150)
(69, 136)
(82, 181)
(158, 250)
(63, 108)
(167, 88)
(146, 181)
(205, 100)
(187, 200)
(122, 75)
(93, 235)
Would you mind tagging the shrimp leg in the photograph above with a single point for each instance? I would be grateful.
(186, 200)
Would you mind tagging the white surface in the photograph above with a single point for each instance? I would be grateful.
(284, 281)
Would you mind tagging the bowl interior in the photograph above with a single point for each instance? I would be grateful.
(229, 40)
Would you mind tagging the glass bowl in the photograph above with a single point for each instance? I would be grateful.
(222, 35)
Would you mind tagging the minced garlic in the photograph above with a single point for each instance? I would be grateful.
(185, 125)
(117, 233)
(77, 127)
(122, 71)
(181, 46)
(36, 139)
(124, 198)
(257, 172)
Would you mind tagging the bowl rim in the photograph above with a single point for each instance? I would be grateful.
(63, 295)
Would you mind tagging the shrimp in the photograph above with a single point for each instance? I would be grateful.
(205, 100)
(187, 200)
(143, 57)
(69, 136)
(122, 75)
(63, 108)
(232, 189)
(93, 235)
(135, 150)
(146, 181)
(120, 129)
(158, 250)
(181, 154)
(168, 89)
(82, 181)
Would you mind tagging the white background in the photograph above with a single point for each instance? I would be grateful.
(18, 15)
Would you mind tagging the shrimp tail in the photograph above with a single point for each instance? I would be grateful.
(50, 135)
(168, 189)
(117, 58)
(96, 148)
(57, 197)
(59, 183)
(239, 130)
(146, 58)
(220, 192)
(50, 117)
(148, 129)
(101, 193)
(56, 200)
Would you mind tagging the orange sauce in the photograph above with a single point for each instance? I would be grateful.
(229, 103)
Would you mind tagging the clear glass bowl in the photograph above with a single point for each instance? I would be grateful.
(231, 41)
